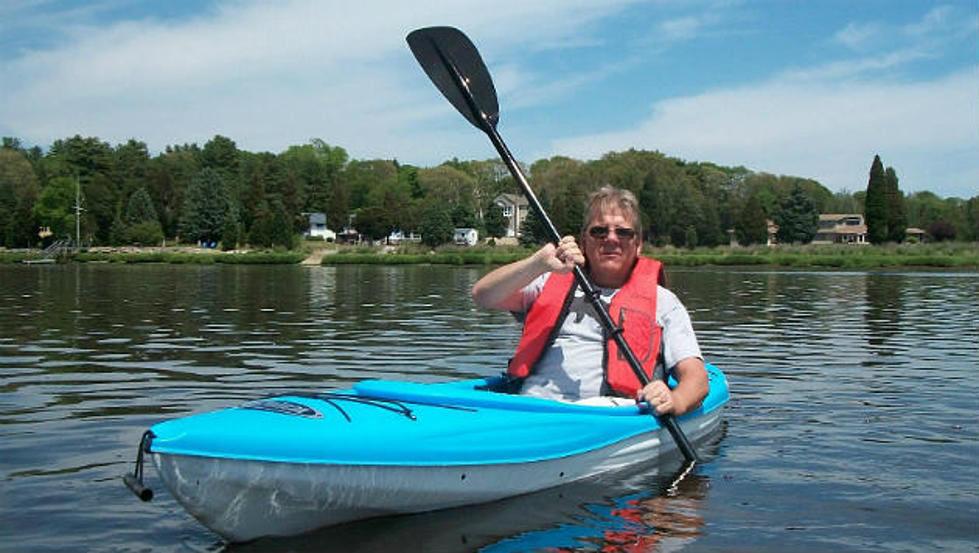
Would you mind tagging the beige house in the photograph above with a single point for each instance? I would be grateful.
(514, 208)
(841, 228)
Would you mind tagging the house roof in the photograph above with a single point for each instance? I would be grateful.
(511, 199)
(837, 216)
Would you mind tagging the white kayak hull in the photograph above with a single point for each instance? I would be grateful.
(243, 499)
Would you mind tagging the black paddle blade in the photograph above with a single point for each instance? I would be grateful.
(455, 66)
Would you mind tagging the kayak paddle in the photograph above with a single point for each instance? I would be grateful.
(452, 62)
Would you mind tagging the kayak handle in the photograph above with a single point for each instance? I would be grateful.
(134, 481)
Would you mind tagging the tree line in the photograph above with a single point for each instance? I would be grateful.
(220, 194)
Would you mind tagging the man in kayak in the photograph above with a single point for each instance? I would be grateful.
(564, 352)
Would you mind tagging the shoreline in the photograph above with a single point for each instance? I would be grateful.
(936, 255)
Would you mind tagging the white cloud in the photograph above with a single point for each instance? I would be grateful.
(269, 74)
(826, 130)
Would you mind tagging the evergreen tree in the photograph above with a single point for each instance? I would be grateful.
(139, 208)
(752, 225)
(533, 232)
(897, 218)
(271, 227)
(797, 217)
(875, 206)
(18, 193)
(494, 221)
(205, 208)
(230, 234)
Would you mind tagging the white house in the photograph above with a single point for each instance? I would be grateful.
(317, 227)
(398, 237)
(466, 236)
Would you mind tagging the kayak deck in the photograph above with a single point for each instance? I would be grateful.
(404, 423)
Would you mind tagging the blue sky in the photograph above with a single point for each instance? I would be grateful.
(811, 89)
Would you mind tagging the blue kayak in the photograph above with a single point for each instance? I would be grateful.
(293, 463)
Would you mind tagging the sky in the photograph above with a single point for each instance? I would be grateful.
(811, 89)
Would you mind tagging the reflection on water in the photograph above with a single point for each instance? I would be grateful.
(852, 425)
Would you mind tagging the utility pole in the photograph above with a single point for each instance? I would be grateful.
(78, 214)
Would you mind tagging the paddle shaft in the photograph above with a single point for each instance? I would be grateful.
(590, 292)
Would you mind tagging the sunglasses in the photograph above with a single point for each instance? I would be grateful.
(602, 232)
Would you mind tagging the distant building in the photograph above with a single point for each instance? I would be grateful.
(349, 235)
(398, 237)
(465, 237)
(916, 233)
(841, 228)
(317, 227)
(514, 208)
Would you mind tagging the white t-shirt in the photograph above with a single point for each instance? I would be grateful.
(571, 369)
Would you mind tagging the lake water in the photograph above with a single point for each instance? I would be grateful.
(853, 425)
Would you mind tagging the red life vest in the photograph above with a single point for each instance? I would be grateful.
(633, 308)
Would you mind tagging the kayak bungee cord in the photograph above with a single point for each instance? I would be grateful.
(134, 481)
(281, 405)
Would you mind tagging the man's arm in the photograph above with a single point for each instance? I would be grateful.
(502, 287)
(691, 389)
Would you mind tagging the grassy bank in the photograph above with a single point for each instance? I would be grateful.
(945, 255)
(950, 255)
(157, 255)
(448, 257)
(939, 255)
(249, 258)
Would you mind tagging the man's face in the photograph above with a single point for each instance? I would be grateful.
(612, 253)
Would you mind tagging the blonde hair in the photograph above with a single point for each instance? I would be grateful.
(608, 198)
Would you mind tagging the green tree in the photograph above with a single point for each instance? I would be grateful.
(230, 233)
(752, 224)
(897, 219)
(272, 227)
(374, 222)
(54, 207)
(797, 218)
(875, 208)
(18, 193)
(206, 206)
(447, 185)
(462, 216)
(221, 154)
(169, 176)
(971, 230)
(533, 231)
(139, 223)
(494, 222)
(130, 167)
(92, 162)
(436, 226)
(140, 208)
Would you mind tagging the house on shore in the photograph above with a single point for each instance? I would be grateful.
(514, 208)
(465, 237)
(841, 228)
(398, 237)
(317, 227)
(917, 234)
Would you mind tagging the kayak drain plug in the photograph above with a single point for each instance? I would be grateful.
(134, 481)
